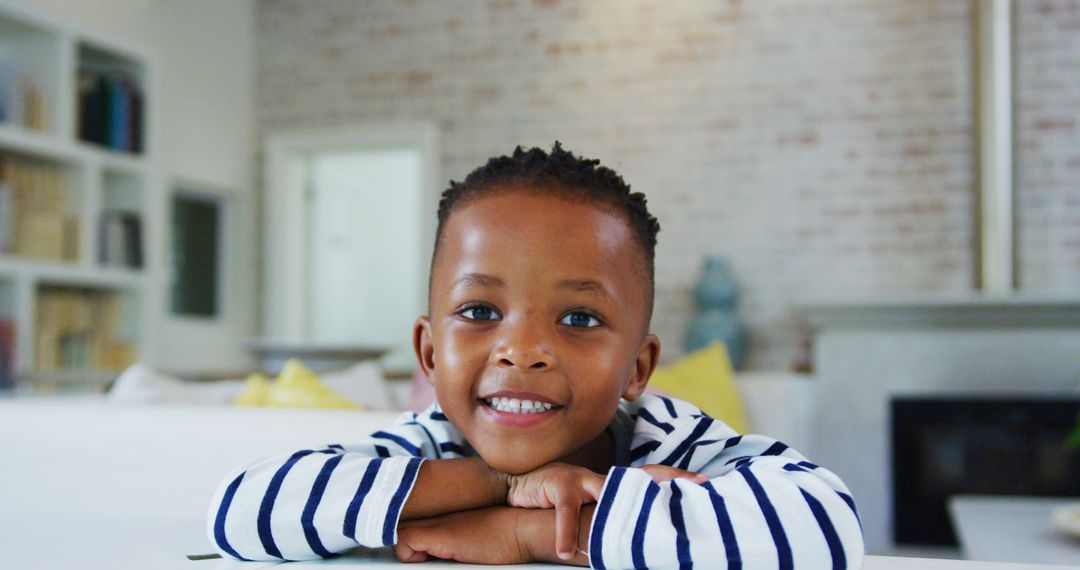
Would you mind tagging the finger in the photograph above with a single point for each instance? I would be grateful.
(699, 478)
(661, 473)
(405, 553)
(410, 546)
(566, 529)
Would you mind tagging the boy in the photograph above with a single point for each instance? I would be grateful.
(542, 445)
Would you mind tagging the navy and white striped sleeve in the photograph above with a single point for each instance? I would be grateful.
(765, 505)
(317, 503)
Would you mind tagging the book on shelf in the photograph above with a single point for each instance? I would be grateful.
(110, 110)
(7, 216)
(34, 221)
(121, 239)
(34, 106)
(7, 353)
(10, 107)
(133, 252)
(79, 329)
(71, 239)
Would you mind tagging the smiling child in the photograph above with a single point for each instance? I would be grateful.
(542, 445)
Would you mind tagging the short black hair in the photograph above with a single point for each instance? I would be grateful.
(561, 173)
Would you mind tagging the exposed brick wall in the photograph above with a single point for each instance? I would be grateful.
(1048, 144)
(824, 146)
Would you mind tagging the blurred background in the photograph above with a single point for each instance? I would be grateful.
(875, 205)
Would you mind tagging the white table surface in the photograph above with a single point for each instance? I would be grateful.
(66, 540)
(106, 487)
(1012, 529)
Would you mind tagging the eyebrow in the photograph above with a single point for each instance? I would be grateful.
(577, 285)
(479, 280)
(586, 286)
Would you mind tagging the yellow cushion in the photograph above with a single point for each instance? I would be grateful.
(256, 391)
(706, 379)
(295, 387)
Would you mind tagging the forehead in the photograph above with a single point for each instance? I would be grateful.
(536, 235)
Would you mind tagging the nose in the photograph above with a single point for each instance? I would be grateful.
(524, 346)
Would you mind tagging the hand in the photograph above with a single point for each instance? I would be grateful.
(558, 486)
(566, 488)
(481, 536)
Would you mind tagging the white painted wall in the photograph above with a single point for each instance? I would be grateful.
(202, 126)
(822, 146)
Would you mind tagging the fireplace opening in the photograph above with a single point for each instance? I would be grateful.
(971, 445)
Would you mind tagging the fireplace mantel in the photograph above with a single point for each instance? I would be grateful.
(942, 310)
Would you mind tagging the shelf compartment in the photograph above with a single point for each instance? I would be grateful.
(111, 100)
(40, 207)
(120, 235)
(84, 330)
(29, 82)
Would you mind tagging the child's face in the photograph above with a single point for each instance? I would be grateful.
(534, 297)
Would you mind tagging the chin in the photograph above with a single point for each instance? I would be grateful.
(513, 465)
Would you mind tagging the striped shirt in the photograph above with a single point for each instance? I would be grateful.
(765, 505)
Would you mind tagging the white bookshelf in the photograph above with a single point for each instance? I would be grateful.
(99, 179)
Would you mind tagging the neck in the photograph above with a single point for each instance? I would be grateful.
(598, 455)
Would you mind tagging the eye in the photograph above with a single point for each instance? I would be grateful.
(480, 313)
(580, 319)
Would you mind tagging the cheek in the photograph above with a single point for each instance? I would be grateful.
(602, 378)
(453, 347)
(613, 359)
(459, 358)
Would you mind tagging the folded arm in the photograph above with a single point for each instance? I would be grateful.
(763, 506)
(321, 502)
(493, 535)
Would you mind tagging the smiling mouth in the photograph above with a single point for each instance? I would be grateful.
(516, 406)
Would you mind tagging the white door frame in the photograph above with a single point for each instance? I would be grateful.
(285, 216)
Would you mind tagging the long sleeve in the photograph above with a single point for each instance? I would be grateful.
(317, 503)
(765, 505)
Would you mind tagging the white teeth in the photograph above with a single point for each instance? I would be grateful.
(515, 406)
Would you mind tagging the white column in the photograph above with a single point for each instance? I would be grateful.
(994, 99)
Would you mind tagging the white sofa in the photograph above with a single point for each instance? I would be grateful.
(76, 472)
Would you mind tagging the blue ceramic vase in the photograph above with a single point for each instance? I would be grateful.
(716, 297)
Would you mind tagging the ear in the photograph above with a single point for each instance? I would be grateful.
(648, 356)
(424, 348)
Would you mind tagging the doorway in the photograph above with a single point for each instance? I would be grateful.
(349, 225)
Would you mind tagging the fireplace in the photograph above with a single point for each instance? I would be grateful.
(976, 445)
(870, 352)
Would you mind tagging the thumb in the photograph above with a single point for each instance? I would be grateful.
(593, 484)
